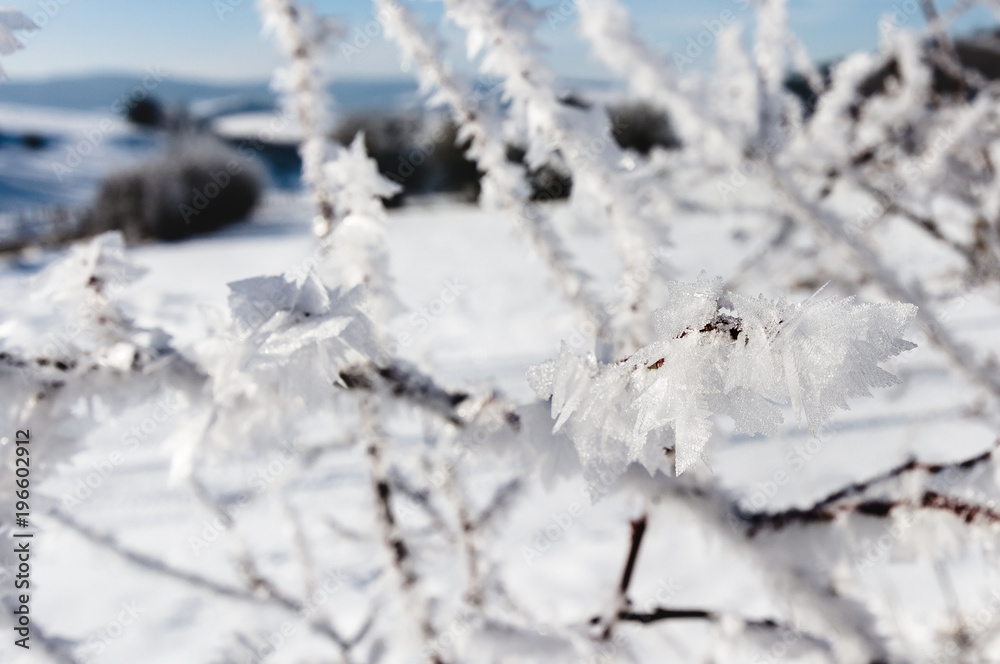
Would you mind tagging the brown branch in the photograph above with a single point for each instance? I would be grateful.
(968, 512)
(392, 536)
(151, 564)
(405, 383)
(638, 530)
(660, 614)
(623, 603)
(502, 499)
(663, 614)
(301, 51)
(891, 205)
(836, 504)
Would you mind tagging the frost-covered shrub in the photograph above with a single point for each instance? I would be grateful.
(980, 55)
(91, 347)
(429, 472)
(981, 52)
(146, 112)
(196, 188)
(641, 127)
(634, 126)
(548, 182)
(34, 141)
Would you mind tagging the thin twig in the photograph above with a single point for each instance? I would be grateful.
(840, 501)
(392, 536)
(151, 564)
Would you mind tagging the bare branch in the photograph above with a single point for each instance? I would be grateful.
(843, 500)
(151, 564)
(407, 384)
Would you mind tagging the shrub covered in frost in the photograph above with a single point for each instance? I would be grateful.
(146, 112)
(433, 568)
(196, 188)
(641, 127)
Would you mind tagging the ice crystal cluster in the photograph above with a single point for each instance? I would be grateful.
(721, 352)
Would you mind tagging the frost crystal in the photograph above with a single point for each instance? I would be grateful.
(11, 21)
(719, 352)
(280, 325)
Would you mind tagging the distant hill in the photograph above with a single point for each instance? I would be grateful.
(101, 92)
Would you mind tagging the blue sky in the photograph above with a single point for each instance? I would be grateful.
(221, 40)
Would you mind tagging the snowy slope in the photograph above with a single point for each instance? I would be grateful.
(505, 317)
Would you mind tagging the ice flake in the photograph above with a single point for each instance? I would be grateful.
(719, 352)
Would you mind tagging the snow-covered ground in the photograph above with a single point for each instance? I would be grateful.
(502, 315)
(81, 148)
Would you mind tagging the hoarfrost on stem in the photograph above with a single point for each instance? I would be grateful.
(720, 352)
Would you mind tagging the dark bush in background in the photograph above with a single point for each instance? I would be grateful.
(387, 139)
(194, 189)
(641, 127)
(978, 52)
(548, 183)
(30, 140)
(146, 112)
(981, 52)
(634, 126)
(448, 169)
(281, 159)
(423, 155)
(420, 154)
(34, 141)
